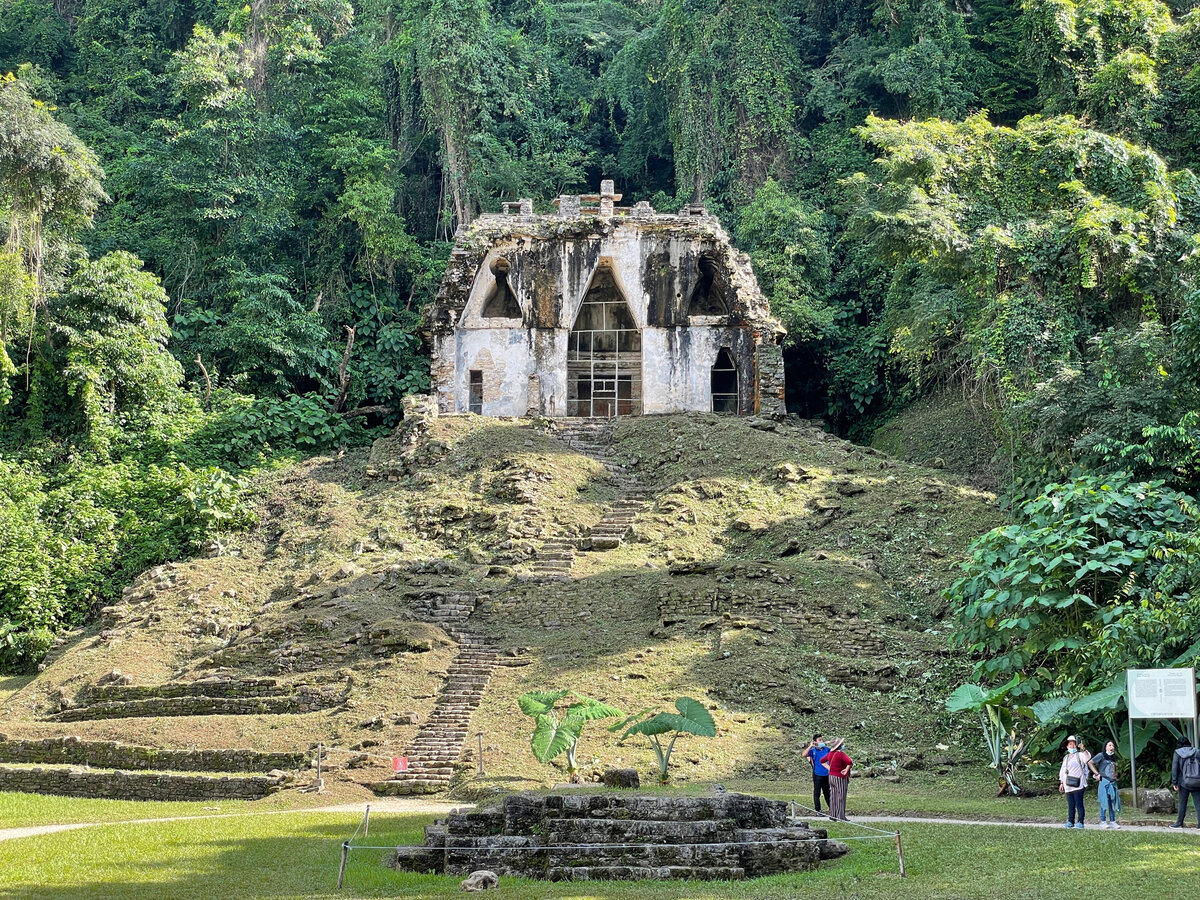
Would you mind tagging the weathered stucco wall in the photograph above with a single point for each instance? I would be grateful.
(666, 267)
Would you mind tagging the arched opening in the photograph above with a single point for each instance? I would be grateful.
(502, 302)
(725, 397)
(604, 355)
(708, 296)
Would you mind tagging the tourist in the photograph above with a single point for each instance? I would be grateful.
(1072, 781)
(838, 764)
(815, 753)
(1185, 778)
(1104, 767)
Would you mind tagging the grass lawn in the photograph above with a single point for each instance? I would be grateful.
(18, 810)
(296, 856)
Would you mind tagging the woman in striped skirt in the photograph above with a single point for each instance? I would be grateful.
(839, 765)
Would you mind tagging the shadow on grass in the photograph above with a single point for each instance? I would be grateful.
(298, 857)
(178, 862)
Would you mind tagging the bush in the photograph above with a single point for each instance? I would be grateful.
(71, 541)
(1096, 575)
(21, 651)
(248, 430)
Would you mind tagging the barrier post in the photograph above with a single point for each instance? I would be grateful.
(342, 868)
(367, 821)
(900, 855)
(479, 774)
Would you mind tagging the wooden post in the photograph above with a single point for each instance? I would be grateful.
(479, 735)
(342, 868)
(900, 855)
(1132, 765)
(367, 821)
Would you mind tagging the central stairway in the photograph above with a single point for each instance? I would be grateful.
(593, 438)
(439, 742)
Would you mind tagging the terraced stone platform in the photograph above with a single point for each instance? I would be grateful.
(586, 837)
(259, 696)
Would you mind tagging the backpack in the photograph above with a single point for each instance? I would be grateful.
(1189, 775)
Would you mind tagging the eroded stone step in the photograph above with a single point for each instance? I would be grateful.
(645, 873)
(70, 781)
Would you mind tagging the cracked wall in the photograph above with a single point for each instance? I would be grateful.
(689, 292)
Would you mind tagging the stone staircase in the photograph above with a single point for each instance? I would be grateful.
(554, 559)
(439, 741)
(593, 437)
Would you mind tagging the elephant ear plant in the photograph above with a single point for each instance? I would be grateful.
(557, 731)
(692, 718)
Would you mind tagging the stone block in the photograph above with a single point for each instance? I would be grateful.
(621, 778)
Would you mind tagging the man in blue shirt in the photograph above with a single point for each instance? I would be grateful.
(815, 753)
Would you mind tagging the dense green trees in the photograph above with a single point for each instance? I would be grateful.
(209, 204)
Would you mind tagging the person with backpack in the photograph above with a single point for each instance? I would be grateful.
(1073, 781)
(1185, 779)
(1104, 767)
(815, 753)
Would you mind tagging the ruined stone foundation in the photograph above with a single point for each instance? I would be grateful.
(581, 837)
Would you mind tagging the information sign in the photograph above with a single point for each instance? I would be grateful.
(1161, 693)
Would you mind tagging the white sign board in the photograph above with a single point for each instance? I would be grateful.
(1161, 693)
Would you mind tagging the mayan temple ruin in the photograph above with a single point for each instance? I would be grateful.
(598, 310)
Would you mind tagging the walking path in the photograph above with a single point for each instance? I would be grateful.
(408, 805)
(1094, 826)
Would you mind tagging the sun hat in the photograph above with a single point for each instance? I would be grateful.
(836, 744)
(1071, 737)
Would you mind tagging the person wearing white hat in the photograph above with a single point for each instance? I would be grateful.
(1073, 781)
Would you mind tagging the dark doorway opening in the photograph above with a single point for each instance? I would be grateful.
(725, 396)
(475, 392)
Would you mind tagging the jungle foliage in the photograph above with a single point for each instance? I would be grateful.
(225, 220)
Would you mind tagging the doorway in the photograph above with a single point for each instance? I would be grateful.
(725, 397)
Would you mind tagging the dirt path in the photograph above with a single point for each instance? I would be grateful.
(383, 805)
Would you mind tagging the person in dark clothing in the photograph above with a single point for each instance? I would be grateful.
(1104, 767)
(815, 753)
(1185, 770)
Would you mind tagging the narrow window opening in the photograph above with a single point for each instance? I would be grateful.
(708, 298)
(502, 302)
(475, 392)
(725, 384)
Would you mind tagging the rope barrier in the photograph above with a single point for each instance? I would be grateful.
(817, 812)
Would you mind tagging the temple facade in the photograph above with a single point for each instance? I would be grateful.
(599, 310)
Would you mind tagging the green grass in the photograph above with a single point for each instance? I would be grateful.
(296, 856)
(19, 810)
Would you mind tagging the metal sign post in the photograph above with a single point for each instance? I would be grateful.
(1159, 694)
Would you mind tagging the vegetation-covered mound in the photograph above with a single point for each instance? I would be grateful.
(789, 580)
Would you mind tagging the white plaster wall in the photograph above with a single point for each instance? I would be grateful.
(676, 362)
(503, 355)
(677, 367)
(549, 363)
